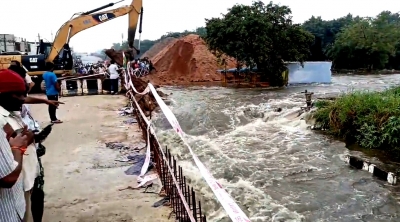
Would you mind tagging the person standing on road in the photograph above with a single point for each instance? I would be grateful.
(52, 90)
(13, 146)
(114, 76)
(17, 67)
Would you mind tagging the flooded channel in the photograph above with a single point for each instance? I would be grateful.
(276, 168)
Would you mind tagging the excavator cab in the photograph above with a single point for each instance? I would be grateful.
(63, 60)
(43, 48)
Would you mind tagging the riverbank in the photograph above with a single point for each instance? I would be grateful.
(364, 72)
(83, 180)
(369, 119)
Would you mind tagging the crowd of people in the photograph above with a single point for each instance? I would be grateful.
(21, 148)
(142, 67)
(139, 68)
(90, 68)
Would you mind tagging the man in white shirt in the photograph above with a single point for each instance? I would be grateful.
(114, 75)
(29, 82)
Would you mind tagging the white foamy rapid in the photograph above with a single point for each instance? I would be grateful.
(270, 162)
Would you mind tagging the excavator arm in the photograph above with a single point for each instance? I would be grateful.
(93, 18)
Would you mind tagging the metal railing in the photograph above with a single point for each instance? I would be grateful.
(172, 178)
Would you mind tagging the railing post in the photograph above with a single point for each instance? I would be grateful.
(194, 204)
(181, 187)
(200, 216)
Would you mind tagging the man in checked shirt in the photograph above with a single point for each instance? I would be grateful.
(12, 148)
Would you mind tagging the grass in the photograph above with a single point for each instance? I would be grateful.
(370, 119)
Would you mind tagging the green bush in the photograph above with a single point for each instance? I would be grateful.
(371, 119)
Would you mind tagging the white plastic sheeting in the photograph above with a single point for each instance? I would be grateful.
(312, 72)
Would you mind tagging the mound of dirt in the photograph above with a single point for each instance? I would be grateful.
(158, 47)
(186, 60)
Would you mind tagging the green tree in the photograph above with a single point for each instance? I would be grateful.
(325, 32)
(261, 35)
(367, 43)
(394, 19)
(144, 45)
(202, 32)
(118, 46)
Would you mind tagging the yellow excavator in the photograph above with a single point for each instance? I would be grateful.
(59, 51)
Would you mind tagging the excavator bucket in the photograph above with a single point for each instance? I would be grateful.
(118, 57)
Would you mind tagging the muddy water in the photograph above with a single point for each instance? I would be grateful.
(276, 168)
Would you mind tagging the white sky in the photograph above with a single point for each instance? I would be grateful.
(27, 18)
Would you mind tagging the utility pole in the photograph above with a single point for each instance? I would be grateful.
(26, 46)
(122, 39)
(38, 45)
(52, 39)
(5, 43)
(14, 45)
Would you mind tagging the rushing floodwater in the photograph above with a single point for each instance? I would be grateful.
(276, 168)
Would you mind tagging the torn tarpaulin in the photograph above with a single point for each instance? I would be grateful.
(116, 145)
(125, 111)
(130, 121)
(122, 146)
(137, 165)
(164, 201)
(126, 150)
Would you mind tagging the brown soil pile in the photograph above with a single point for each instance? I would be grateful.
(186, 60)
(159, 46)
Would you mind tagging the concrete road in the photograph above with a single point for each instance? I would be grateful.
(82, 178)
